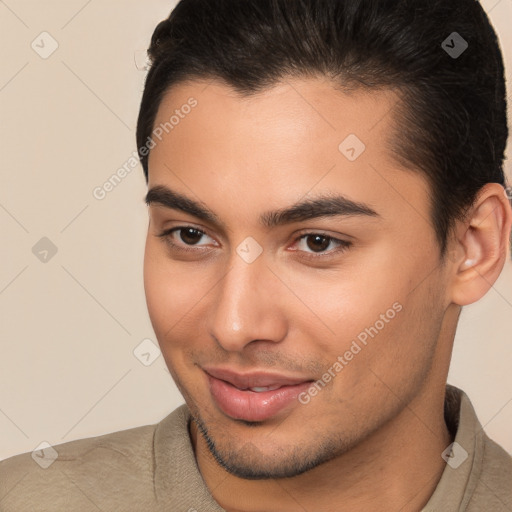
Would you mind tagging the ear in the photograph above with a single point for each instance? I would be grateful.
(481, 245)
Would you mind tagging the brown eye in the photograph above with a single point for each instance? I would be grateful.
(316, 245)
(190, 236)
(186, 238)
(318, 242)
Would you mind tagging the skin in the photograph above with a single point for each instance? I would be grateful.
(372, 438)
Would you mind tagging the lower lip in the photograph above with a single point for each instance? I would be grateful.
(252, 406)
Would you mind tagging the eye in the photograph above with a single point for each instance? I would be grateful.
(182, 236)
(317, 244)
(313, 245)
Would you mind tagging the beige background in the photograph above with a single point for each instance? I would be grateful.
(69, 326)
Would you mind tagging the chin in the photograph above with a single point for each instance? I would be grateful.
(248, 461)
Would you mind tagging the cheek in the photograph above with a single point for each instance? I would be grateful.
(172, 291)
(340, 303)
(398, 343)
(366, 312)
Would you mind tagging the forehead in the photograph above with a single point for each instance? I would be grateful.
(281, 116)
(282, 143)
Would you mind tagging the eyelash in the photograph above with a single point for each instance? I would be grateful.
(343, 245)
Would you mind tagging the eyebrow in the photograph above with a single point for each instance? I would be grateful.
(327, 205)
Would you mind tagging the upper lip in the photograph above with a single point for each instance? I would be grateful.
(253, 379)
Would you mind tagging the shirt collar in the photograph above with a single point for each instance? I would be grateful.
(463, 457)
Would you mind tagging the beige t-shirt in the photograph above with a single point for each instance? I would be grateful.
(152, 468)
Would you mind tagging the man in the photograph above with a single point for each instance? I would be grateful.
(325, 192)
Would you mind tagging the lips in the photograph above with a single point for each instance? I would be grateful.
(254, 379)
(254, 396)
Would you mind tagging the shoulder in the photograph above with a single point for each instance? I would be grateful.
(493, 483)
(480, 476)
(109, 472)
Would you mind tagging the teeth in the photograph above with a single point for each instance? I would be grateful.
(261, 389)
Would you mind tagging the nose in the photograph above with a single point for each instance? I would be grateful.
(246, 307)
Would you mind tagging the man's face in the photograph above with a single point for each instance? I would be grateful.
(246, 302)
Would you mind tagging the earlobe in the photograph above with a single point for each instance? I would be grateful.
(483, 238)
